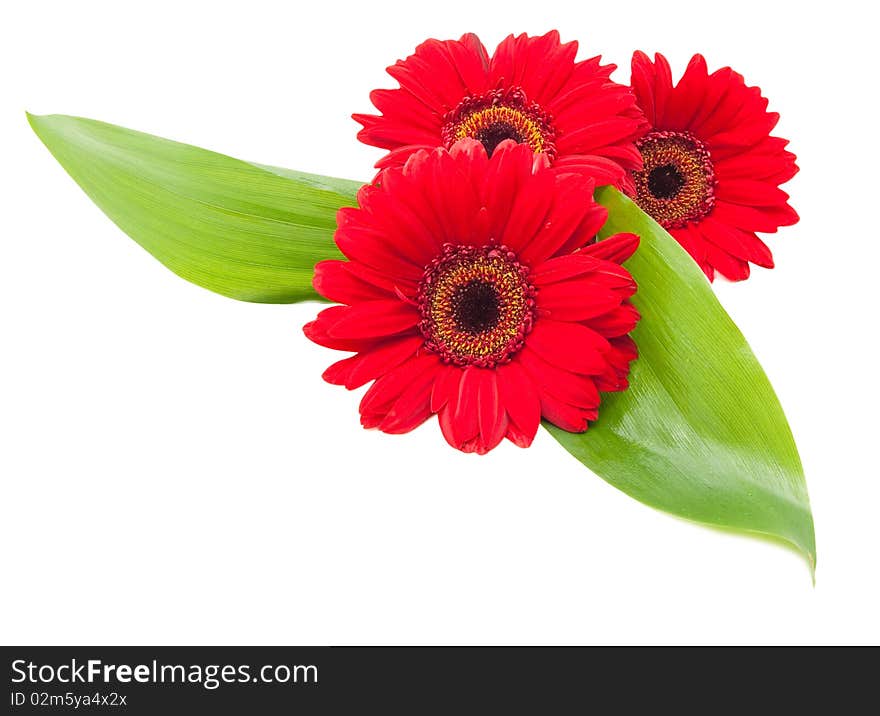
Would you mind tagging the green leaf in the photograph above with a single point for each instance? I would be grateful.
(243, 230)
(700, 432)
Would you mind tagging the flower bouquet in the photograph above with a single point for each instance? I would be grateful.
(535, 249)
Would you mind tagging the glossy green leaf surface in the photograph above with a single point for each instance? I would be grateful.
(242, 230)
(700, 432)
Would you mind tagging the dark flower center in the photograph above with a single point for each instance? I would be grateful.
(494, 134)
(477, 305)
(498, 115)
(665, 181)
(677, 184)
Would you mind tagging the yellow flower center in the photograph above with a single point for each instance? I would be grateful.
(500, 115)
(477, 305)
(677, 183)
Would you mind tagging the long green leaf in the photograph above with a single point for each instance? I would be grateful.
(700, 432)
(243, 230)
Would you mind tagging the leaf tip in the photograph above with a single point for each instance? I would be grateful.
(35, 121)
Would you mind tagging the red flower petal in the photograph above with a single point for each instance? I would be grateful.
(750, 193)
(748, 218)
(569, 345)
(384, 393)
(565, 416)
(517, 436)
(334, 280)
(445, 387)
(370, 364)
(728, 266)
(775, 165)
(623, 351)
(583, 267)
(570, 201)
(643, 84)
(686, 98)
(465, 407)
(714, 101)
(412, 408)
(520, 399)
(577, 300)
(540, 65)
(317, 331)
(602, 170)
(366, 247)
(593, 137)
(508, 170)
(373, 319)
(617, 248)
(528, 214)
(491, 416)
(618, 322)
(564, 385)
(741, 244)
(662, 88)
(561, 268)
(693, 242)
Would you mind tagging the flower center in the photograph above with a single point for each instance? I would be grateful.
(664, 182)
(477, 305)
(677, 184)
(498, 115)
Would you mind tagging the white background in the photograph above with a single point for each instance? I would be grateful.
(174, 470)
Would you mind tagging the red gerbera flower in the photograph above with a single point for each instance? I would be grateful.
(471, 292)
(531, 91)
(711, 170)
